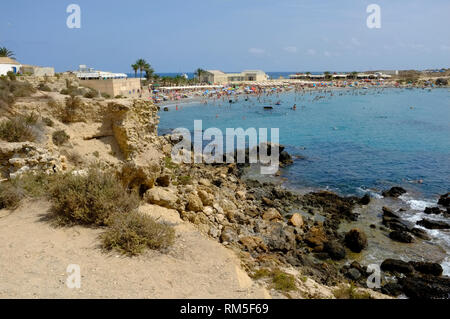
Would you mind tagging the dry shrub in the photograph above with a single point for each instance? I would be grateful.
(350, 292)
(44, 87)
(60, 137)
(16, 130)
(89, 199)
(90, 94)
(132, 233)
(68, 114)
(10, 196)
(10, 89)
(34, 184)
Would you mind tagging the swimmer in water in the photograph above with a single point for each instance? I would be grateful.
(294, 107)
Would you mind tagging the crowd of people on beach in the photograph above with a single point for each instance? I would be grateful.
(230, 93)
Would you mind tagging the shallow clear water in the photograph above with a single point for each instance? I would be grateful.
(353, 140)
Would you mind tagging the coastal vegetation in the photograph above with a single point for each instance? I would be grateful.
(60, 137)
(89, 198)
(6, 53)
(132, 233)
(19, 129)
(10, 196)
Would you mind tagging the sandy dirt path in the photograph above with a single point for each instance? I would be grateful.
(34, 257)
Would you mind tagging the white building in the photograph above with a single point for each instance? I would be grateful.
(219, 77)
(9, 65)
(85, 73)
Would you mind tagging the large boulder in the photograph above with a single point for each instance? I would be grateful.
(432, 210)
(401, 236)
(272, 215)
(335, 250)
(161, 196)
(426, 287)
(194, 203)
(427, 268)
(296, 220)
(395, 265)
(356, 240)
(394, 192)
(316, 238)
(444, 200)
(433, 224)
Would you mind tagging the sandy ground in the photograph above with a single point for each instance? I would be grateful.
(34, 257)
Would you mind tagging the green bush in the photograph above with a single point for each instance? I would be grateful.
(280, 280)
(69, 111)
(44, 87)
(89, 199)
(60, 137)
(34, 184)
(350, 292)
(132, 233)
(90, 94)
(48, 121)
(106, 95)
(11, 89)
(10, 196)
(11, 76)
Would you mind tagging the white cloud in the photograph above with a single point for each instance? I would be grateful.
(311, 52)
(445, 47)
(290, 49)
(256, 51)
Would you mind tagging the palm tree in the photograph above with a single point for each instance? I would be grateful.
(135, 67)
(148, 71)
(327, 75)
(198, 73)
(354, 74)
(5, 53)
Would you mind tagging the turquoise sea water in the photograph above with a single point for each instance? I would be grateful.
(352, 141)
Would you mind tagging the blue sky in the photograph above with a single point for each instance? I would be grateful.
(231, 35)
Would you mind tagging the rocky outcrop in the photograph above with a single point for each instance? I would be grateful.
(18, 158)
(162, 196)
(394, 192)
(401, 236)
(397, 266)
(356, 240)
(444, 200)
(433, 224)
(134, 126)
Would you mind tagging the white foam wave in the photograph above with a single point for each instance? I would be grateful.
(417, 204)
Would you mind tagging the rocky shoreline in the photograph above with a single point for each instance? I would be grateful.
(268, 227)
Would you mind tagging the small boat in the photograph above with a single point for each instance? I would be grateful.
(268, 107)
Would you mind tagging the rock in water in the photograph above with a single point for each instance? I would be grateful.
(444, 200)
(401, 236)
(395, 265)
(394, 192)
(427, 287)
(432, 210)
(356, 240)
(335, 250)
(427, 268)
(365, 200)
(433, 224)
